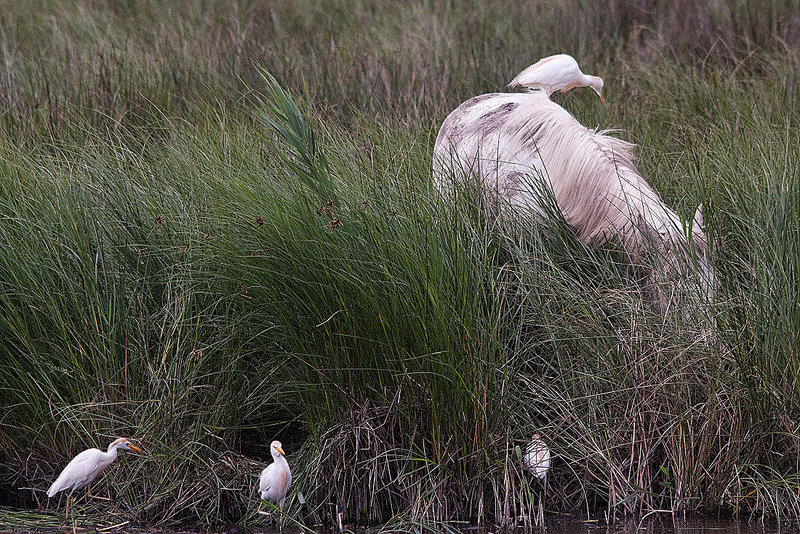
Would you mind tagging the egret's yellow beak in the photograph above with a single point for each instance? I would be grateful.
(280, 450)
(134, 448)
(603, 100)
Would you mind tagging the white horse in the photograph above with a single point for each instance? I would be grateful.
(510, 140)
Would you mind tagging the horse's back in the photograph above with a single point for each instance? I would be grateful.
(493, 139)
(510, 143)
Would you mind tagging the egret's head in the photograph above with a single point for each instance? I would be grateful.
(124, 443)
(276, 449)
(596, 83)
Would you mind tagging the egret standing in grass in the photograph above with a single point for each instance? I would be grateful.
(556, 73)
(276, 479)
(85, 467)
(537, 461)
(537, 458)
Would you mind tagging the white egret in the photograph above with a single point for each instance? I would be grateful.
(276, 479)
(556, 73)
(537, 458)
(86, 466)
(537, 461)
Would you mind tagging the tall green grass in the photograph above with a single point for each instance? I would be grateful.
(173, 270)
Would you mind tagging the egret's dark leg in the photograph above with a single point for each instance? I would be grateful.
(69, 498)
(74, 524)
(542, 500)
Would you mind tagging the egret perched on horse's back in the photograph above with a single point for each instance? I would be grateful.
(556, 73)
(86, 466)
(276, 479)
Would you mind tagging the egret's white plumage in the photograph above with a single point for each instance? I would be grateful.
(510, 143)
(537, 462)
(556, 73)
(276, 479)
(537, 458)
(87, 465)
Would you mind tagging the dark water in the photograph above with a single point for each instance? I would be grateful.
(662, 526)
(553, 525)
(665, 525)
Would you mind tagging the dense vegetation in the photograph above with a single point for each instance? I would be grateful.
(171, 271)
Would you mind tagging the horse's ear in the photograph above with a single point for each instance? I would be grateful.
(698, 216)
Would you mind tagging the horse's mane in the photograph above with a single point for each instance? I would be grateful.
(593, 174)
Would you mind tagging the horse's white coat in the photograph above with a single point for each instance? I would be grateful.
(510, 139)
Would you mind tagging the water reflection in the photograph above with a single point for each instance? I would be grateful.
(659, 526)
(561, 525)
(553, 525)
